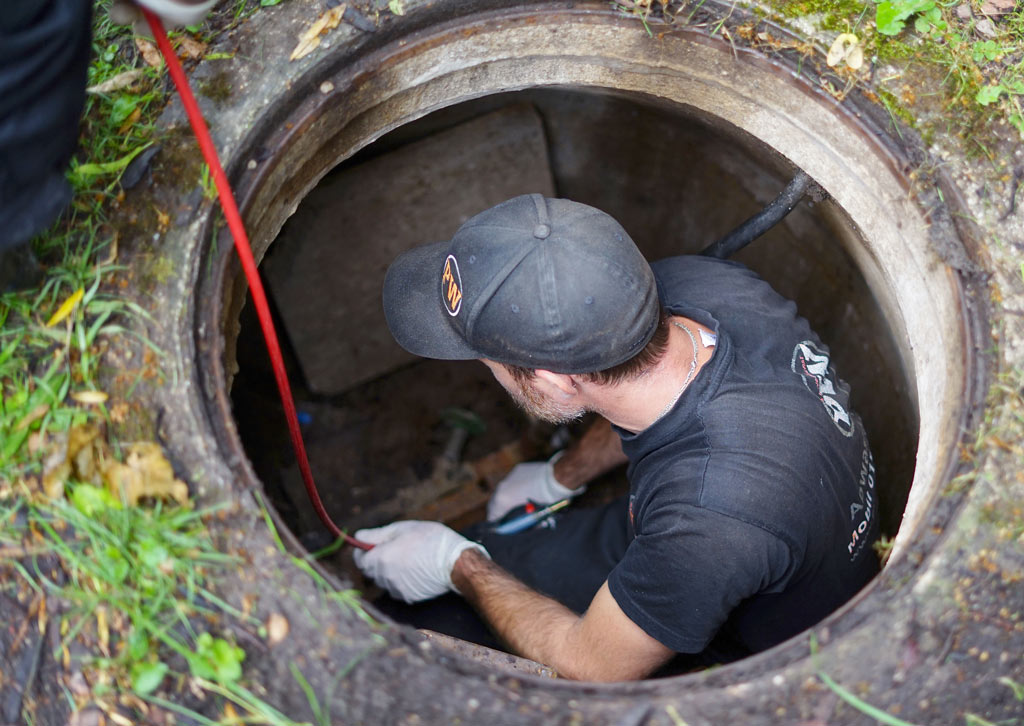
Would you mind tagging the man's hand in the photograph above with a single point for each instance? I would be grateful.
(597, 452)
(533, 481)
(412, 560)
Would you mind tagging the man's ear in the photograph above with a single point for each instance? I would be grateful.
(563, 382)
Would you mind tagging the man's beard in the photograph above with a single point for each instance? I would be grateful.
(539, 406)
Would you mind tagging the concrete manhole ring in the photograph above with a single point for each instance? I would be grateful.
(282, 126)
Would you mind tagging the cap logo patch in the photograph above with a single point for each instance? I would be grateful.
(451, 286)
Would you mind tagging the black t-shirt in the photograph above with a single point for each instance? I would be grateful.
(752, 501)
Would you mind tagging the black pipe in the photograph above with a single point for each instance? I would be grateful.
(762, 221)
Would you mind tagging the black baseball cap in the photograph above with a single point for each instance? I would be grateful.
(534, 282)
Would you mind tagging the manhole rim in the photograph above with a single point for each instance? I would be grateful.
(208, 317)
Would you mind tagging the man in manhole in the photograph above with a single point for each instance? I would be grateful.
(752, 507)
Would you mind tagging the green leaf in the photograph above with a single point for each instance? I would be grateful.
(89, 500)
(1017, 688)
(123, 107)
(986, 50)
(147, 676)
(8, 351)
(152, 554)
(989, 94)
(890, 17)
(138, 644)
(215, 659)
(116, 567)
(82, 172)
(971, 719)
(13, 443)
(268, 3)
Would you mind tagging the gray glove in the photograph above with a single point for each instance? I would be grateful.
(412, 560)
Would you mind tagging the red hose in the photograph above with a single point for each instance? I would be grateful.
(259, 299)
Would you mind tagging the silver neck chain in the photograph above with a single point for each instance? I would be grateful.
(689, 376)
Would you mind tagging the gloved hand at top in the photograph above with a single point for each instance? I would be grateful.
(173, 13)
(532, 481)
(412, 560)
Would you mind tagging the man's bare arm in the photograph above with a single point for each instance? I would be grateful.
(599, 450)
(602, 645)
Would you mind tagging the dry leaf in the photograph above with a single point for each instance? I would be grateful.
(277, 628)
(118, 82)
(90, 397)
(77, 452)
(963, 11)
(846, 49)
(119, 412)
(986, 27)
(133, 117)
(83, 453)
(56, 467)
(103, 631)
(34, 415)
(150, 53)
(997, 7)
(146, 474)
(119, 719)
(190, 47)
(35, 442)
(163, 219)
(310, 40)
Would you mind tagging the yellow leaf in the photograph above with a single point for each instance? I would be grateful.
(146, 474)
(310, 40)
(277, 628)
(92, 397)
(64, 310)
(103, 631)
(846, 49)
(132, 119)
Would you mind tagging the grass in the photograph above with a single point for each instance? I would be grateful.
(856, 702)
(134, 586)
(978, 64)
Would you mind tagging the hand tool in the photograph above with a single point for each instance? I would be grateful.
(523, 518)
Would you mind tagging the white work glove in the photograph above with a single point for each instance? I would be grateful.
(173, 13)
(533, 481)
(412, 560)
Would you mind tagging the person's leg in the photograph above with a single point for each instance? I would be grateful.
(44, 58)
(569, 559)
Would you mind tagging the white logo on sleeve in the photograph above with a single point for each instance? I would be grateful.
(812, 365)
